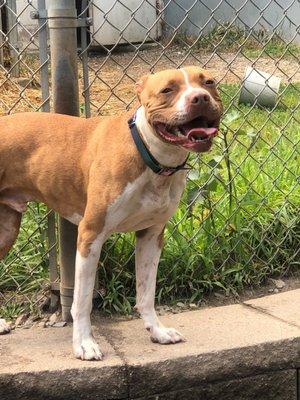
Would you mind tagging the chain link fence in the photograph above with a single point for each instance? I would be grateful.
(238, 221)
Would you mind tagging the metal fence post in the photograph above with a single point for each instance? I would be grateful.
(13, 36)
(63, 47)
(44, 73)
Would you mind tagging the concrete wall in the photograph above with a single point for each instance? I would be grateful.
(249, 15)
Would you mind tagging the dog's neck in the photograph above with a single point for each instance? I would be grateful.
(168, 155)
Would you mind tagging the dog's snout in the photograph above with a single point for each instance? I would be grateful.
(199, 98)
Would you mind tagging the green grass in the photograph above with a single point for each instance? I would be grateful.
(230, 38)
(238, 222)
(24, 271)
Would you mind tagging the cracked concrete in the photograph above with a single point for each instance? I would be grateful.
(284, 307)
(253, 346)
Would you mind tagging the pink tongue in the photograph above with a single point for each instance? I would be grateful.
(201, 132)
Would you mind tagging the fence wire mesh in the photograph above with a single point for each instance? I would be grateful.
(238, 221)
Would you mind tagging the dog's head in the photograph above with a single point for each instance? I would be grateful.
(182, 106)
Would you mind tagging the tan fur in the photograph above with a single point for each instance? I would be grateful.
(63, 161)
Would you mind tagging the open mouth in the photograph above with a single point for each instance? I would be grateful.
(195, 135)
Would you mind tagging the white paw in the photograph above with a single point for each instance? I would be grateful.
(166, 336)
(87, 349)
(4, 327)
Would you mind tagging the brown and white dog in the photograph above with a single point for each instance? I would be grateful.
(91, 173)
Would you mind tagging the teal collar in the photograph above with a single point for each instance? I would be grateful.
(148, 158)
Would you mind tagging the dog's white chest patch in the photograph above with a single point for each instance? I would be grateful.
(147, 201)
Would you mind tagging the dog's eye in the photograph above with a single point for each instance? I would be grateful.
(166, 90)
(209, 82)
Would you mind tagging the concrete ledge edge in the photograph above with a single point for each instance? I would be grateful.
(142, 380)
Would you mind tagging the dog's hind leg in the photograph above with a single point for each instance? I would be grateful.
(10, 221)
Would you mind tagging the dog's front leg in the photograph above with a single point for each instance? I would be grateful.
(87, 257)
(149, 243)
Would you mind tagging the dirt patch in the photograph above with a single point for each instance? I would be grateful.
(16, 98)
(228, 67)
(216, 299)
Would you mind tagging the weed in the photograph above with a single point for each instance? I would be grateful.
(11, 310)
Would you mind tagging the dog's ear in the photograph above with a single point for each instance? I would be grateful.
(140, 84)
